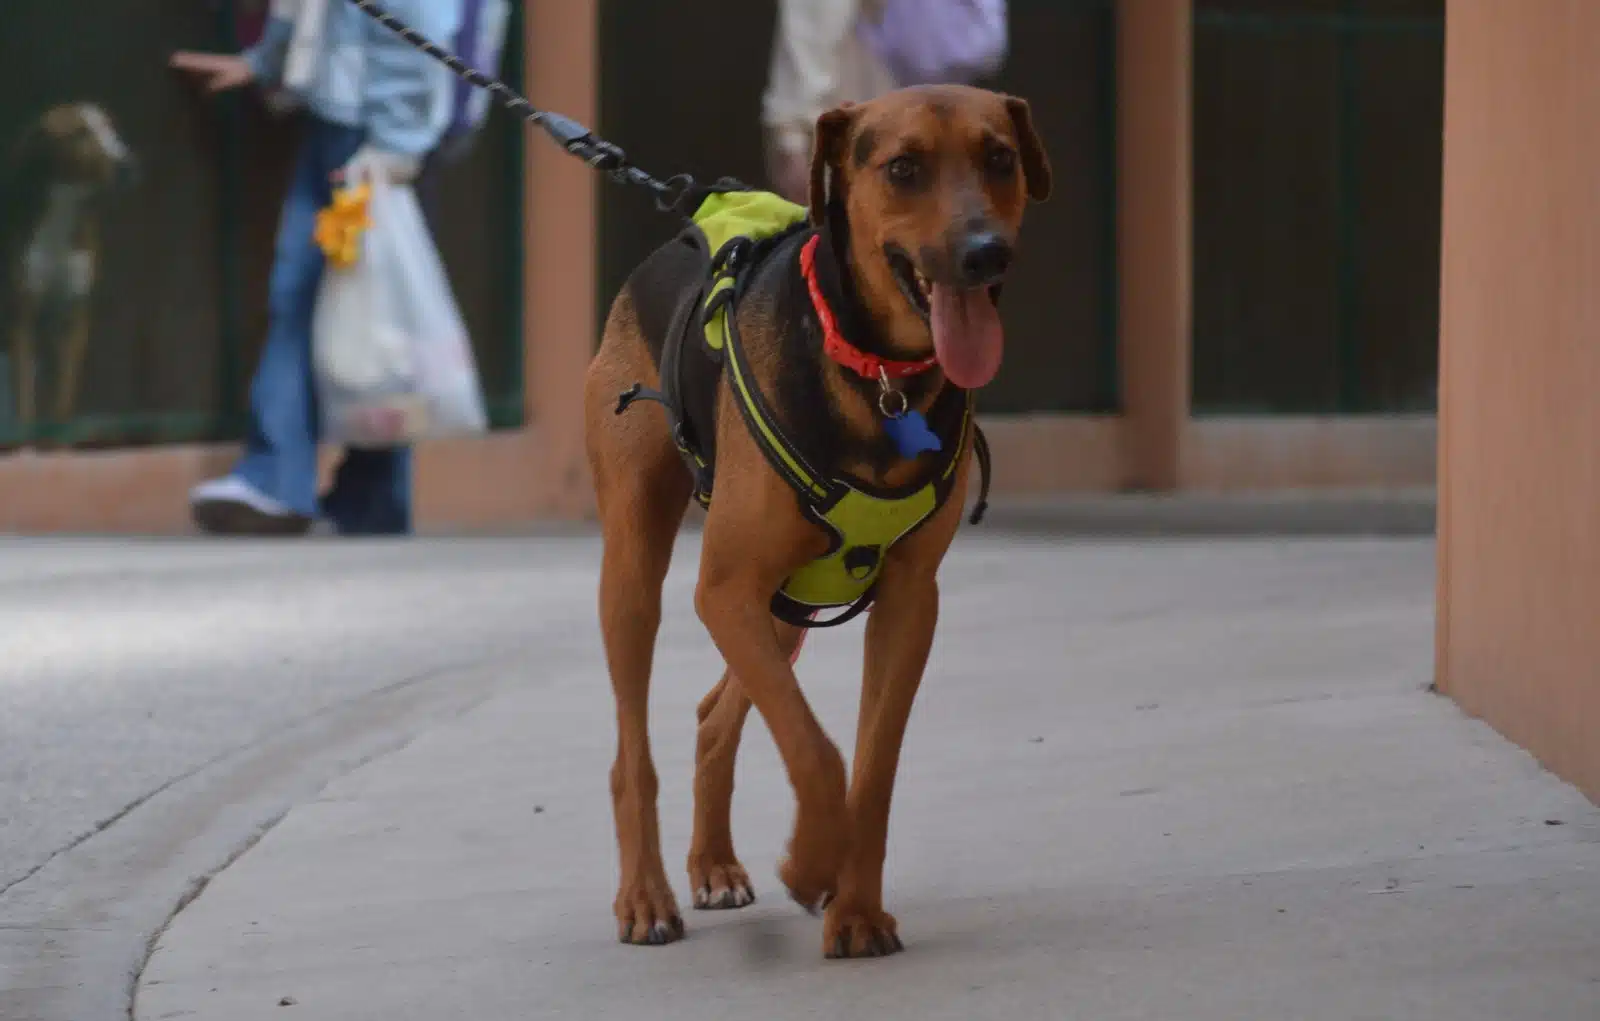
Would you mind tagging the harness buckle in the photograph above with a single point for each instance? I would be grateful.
(726, 262)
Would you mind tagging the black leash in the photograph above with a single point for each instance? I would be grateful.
(568, 133)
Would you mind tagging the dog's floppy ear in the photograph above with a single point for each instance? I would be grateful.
(1035, 164)
(827, 155)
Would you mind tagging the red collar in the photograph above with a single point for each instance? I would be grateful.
(868, 366)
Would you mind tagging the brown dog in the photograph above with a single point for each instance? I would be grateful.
(66, 160)
(916, 201)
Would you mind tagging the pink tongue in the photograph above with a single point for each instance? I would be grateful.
(967, 335)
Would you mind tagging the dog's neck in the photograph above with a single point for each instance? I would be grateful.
(832, 410)
(839, 275)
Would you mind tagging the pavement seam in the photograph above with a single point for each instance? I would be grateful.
(384, 750)
(414, 721)
(188, 897)
(258, 742)
(122, 813)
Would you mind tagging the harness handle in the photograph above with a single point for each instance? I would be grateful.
(572, 136)
(797, 615)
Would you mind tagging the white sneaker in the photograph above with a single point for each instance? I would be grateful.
(232, 506)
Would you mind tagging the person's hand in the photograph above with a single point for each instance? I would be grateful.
(369, 163)
(221, 71)
(791, 176)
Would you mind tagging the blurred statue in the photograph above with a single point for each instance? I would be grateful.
(68, 158)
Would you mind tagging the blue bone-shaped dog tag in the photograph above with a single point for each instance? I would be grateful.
(911, 435)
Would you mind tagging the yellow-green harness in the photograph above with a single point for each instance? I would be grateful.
(739, 228)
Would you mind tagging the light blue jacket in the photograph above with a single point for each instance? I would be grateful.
(368, 77)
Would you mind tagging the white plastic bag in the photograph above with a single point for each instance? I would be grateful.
(391, 357)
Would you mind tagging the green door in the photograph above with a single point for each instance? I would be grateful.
(1318, 133)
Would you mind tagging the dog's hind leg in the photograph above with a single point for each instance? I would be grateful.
(718, 880)
(642, 490)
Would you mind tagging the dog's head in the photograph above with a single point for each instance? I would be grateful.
(75, 144)
(930, 183)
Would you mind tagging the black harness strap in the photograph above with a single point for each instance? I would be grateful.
(819, 492)
(980, 447)
(704, 476)
(670, 396)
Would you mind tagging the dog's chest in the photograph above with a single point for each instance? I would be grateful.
(55, 264)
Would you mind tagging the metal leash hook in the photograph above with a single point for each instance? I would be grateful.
(576, 139)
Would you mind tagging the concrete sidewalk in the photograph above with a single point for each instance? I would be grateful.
(1180, 780)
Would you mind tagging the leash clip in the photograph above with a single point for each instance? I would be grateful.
(673, 191)
(891, 402)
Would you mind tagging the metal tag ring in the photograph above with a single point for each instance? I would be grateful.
(892, 403)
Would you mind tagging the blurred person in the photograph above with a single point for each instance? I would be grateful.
(373, 105)
(820, 59)
(829, 52)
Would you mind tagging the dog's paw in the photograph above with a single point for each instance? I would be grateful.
(721, 887)
(859, 932)
(647, 914)
(812, 890)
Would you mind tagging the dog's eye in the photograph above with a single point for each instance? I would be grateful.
(904, 170)
(1001, 161)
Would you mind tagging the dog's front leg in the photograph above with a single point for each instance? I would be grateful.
(899, 635)
(900, 632)
(732, 601)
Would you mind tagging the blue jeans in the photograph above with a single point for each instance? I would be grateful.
(371, 492)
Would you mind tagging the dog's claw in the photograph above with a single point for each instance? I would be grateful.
(647, 916)
(817, 907)
(865, 934)
(723, 887)
(658, 935)
(705, 899)
(666, 932)
(877, 945)
(813, 903)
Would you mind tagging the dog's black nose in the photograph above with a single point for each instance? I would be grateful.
(984, 259)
